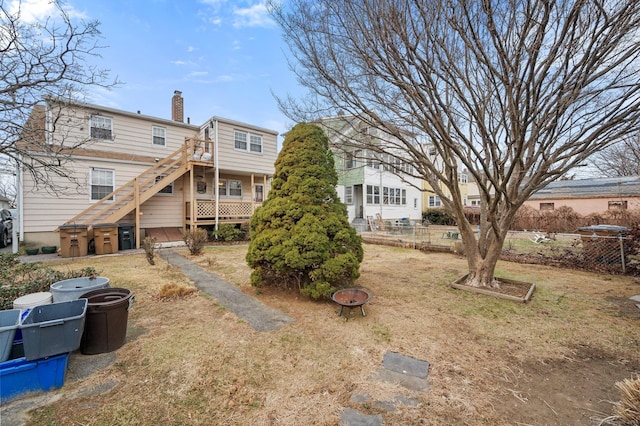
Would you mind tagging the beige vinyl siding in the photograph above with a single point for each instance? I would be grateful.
(62, 206)
(131, 133)
(231, 159)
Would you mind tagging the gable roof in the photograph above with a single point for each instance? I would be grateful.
(590, 188)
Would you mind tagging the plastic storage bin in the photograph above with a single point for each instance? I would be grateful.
(18, 376)
(105, 237)
(73, 288)
(53, 329)
(9, 322)
(73, 240)
(106, 321)
(33, 299)
(126, 236)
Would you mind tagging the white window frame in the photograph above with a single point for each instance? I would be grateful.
(248, 142)
(255, 143)
(373, 194)
(93, 172)
(240, 140)
(101, 124)
(463, 178)
(230, 188)
(158, 134)
(435, 201)
(348, 194)
(167, 190)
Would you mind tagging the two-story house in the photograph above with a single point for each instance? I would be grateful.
(373, 185)
(153, 173)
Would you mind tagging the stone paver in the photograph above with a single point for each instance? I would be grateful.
(257, 315)
(351, 417)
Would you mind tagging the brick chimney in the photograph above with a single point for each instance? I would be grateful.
(177, 107)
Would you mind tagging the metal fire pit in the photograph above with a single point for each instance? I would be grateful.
(351, 298)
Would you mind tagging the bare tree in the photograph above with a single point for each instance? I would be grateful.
(620, 159)
(41, 60)
(518, 92)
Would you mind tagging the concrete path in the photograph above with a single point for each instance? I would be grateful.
(257, 315)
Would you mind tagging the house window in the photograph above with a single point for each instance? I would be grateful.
(463, 178)
(244, 141)
(372, 161)
(255, 143)
(434, 201)
(618, 205)
(404, 199)
(235, 188)
(102, 183)
(167, 190)
(222, 184)
(415, 200)
(258, 193)
(475, 203)
(348, 194)
(101, 127)
(159, 136)
(240, 140)
(206, 134)
(349, 160)
(373, 194)
(547, 206)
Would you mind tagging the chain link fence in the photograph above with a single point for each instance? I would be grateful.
(590, 251)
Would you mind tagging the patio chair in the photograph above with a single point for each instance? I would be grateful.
(539, 238)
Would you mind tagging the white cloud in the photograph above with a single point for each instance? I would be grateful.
(236, 45)
(191, 49)
(198, 73)
(178, 62)
(40, 10)
(253, 16)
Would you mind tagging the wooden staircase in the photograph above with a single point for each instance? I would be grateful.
(131, 195)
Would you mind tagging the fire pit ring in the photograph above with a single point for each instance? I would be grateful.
(351, 298)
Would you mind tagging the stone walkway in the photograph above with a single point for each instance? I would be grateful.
(396, 368)
(257, 315)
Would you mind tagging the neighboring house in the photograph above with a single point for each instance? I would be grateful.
(586, 196)
(467, 188)
(371, 187)
(151, 172)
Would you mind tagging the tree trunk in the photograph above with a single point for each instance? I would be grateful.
(482, 256)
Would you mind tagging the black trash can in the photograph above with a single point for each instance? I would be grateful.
(105, 327)
(126, 236)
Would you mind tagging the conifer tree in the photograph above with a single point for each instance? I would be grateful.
(300, 236)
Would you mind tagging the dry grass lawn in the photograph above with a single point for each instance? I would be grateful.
(189, 360)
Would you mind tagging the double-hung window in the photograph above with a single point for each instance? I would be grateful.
(373, 194)
(167, 190)
(240, 139)
(244, 141)
(434, 201)
(101, 127)
(348, 194)
(255, 143)
(159, 136)
(231, 188)
(102, 183)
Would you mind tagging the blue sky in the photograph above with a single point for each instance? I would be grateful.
(226, 57)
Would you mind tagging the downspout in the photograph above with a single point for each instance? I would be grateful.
(216, 182)
(20, 230)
